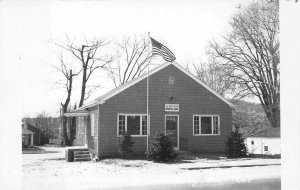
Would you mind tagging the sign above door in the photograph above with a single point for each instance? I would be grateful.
(172, 107)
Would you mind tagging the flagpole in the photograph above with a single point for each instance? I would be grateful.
(148, 97)
(159, 49)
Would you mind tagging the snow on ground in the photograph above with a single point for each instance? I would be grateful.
(48, 170)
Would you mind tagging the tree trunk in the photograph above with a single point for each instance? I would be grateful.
(273, 115)
(65, 131)
(275, 119)
(68, 141)
(83, 86)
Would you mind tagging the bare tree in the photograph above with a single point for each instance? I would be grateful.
(67, 83)
(252, 51)
(90, 59)
(216, 77)
(132, 58)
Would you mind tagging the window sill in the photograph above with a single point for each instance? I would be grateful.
(134, 135)
(139, 135)
(206, 134)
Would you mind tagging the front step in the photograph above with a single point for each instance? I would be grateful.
(80, 152)
(82, 155)
(82, 159)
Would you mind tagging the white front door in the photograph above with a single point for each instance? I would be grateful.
(172, 129)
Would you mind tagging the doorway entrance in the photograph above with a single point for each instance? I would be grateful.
(172, 129)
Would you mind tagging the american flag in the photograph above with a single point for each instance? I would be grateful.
(159, 49)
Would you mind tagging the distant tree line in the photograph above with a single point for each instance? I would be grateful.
(250, 118)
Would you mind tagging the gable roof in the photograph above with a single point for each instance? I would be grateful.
(26, 132)
(270, 132)
(103, 98)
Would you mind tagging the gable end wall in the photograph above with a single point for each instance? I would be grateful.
(192, 98)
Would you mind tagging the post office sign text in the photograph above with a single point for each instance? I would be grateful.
(172, 107)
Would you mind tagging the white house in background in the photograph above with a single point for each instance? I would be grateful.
(266, 142)
(27, 137)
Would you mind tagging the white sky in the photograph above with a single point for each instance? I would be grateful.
(29, 28)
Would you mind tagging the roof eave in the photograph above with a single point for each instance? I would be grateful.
(83, 108)
(76, 114)
(205, 85)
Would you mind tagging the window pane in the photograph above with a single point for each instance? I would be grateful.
(216, 125)
(144, 125)
(121, 124)
(206, 125)
(171, 123)
(133, 125)
(196, 125)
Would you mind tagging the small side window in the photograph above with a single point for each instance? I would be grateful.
(252, 142)
(266, 148)
(171, 80)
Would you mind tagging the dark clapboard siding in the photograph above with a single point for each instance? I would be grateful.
(192, 98)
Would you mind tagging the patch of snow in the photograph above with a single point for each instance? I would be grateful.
(51, 171)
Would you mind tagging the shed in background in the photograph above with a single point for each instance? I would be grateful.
(266, 142)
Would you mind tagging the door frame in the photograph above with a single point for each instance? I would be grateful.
(87, 123)
(177, 115)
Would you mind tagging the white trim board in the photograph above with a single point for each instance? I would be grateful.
(131, 83)
(102, 99)
(76, 114)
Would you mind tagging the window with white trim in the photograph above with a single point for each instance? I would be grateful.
(206, 124)
(132, 124)
(92, 120)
